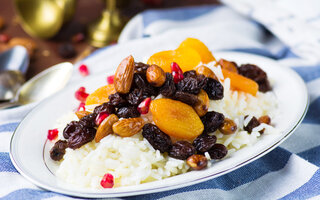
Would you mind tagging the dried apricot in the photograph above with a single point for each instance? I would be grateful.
(200, 47)
(176, 119)
(101, 95)
(163, 59)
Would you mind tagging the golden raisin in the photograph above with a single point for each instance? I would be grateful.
(228, 127)
(197, 161)
(203, 103)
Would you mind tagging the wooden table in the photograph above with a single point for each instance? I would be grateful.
(46, 54)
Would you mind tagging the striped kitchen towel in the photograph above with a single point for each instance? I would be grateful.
(290, 171)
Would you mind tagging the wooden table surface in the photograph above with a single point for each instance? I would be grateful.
(46, 54)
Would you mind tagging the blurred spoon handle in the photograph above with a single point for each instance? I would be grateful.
(9, 104)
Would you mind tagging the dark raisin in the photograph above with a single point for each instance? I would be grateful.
(72, 128)
(204, 142)
(58, 150)
(77, 140)
(168, 89)
(212, 121)
(182, 150)
(117, 100)
(140, 82)
(257, 74)
(140, 67)
(66, 50)
(158, 139)
(128, 112)
(187, 98)
(105, 107)
(191, 73)
(189, 85)
(136, 96)
(254, 122)
(88, 120)
(202, 81)
(218, 151)
(214, 89)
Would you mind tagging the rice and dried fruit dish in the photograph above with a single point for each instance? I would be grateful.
(182, 110)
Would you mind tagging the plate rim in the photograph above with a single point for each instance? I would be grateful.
(168, 187)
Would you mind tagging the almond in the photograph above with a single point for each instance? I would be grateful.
(82, 113)
(155, 75)
(203, 103)
(105, 128)
(124, 75)
(128, 127)
(205, 71)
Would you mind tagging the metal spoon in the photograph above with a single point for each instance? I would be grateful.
(42, 85)
(13, 64)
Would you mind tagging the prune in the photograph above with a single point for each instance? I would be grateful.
(66, 50)
(189, 85)
(72, 128)
(218, 151)
(212, 121)
(77, 140)
(190, 73)
(214, 89)
(257, 74)
(88, 120)
(140, 81)
(254, 122)
(187, 98)
(204, 142)
(140, 67)
(128, 112)
(136, 96)
(158, 139)
(182, 150)
(58, 150)
(117, 100)
(168, 89)
(105, 107)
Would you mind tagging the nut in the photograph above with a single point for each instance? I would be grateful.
(128, 127)
(230, 66)
(197, 162)
(81, 114)
(124, 75)
(105, 128)
(205, 71)
(228, 127)
(155, 75)
(29, 44)
(203, 103)
(265, 119)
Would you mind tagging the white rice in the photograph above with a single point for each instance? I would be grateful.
(132, 160)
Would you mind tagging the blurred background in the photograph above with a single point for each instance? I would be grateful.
(74, 37)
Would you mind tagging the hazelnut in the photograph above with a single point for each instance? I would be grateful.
(203, 103)
(29, 44)
(228, 127)
(205, 71)
(155, 75)
(197, 162)
(230, 66)
(124, 75)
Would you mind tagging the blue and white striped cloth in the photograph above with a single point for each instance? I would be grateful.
(291, 171)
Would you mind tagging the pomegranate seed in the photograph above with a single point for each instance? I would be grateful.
(143, 107)
(79, 37)
(177, 73)
(83, 69)
(52, 134)
(81, 94)
(101, 116)
(4, 38)
(81, 107)
(110, 79)
(107, 181)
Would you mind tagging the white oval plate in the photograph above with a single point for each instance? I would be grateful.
(27, 143)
